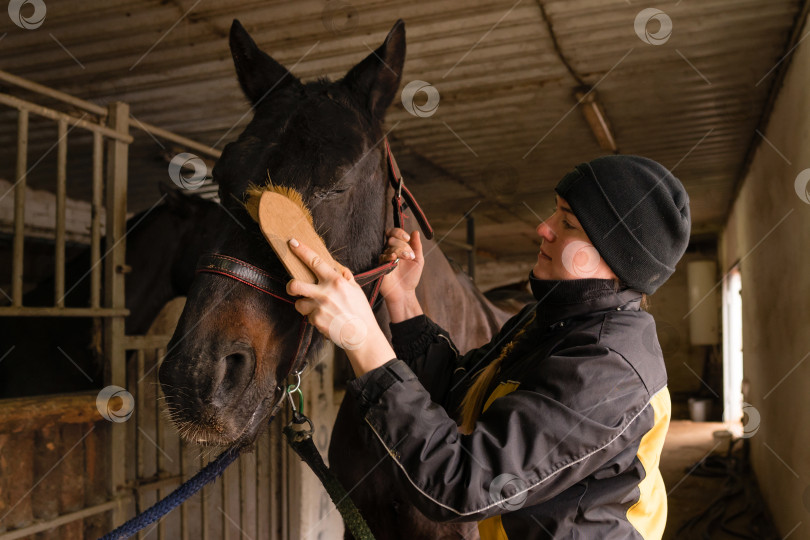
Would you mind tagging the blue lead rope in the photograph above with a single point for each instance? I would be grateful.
(301, 442)
(176, 497)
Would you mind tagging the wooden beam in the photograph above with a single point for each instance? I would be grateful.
(19, 208)
(17, 414)
(61, 520)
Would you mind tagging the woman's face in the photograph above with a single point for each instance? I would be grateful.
(565, 250)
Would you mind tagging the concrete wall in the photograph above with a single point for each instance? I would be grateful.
(769, 232)
(685, 362)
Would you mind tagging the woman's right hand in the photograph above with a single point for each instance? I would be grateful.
(402, 281)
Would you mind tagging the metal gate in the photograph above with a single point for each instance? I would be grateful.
(67, 473)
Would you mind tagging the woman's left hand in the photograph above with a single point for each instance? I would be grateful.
(338, 308)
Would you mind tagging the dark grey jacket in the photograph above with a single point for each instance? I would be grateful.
(569, 443)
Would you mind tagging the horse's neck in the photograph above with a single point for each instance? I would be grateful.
(144, 310)
(147, 291)
(450, 298)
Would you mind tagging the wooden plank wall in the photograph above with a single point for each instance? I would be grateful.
(265, 494)
(50, 449)
(317, 515)
(248, 501)
(54, 457)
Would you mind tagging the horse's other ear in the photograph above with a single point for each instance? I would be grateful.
(378, 76)
(258, 74)
(176, 200)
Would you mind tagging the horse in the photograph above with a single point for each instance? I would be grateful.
(234, 344)
(163, 245)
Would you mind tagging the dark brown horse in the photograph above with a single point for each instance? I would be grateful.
(163, 245)
(234, 344)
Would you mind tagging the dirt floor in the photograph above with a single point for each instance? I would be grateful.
(690, 493)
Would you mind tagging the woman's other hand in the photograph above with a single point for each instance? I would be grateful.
(399, 287)
(402, 281)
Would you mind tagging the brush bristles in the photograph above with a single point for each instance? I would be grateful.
(253, 196)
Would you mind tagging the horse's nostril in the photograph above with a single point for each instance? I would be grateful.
(235, 362)
(238, 371)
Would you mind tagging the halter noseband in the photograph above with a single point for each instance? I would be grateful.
(275, 286)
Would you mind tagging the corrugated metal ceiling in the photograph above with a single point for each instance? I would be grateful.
(507, 126)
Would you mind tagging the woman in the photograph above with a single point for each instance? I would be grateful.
(563, 414)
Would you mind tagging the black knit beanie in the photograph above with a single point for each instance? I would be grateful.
(635, 213)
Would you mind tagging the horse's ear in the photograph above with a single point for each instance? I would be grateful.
(378, 76)
(177, 202)
(258, 73)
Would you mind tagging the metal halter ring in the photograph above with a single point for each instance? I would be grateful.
(290, 390)
(297, 382)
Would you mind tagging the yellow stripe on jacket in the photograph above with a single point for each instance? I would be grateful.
(492, 528)
(649, 514)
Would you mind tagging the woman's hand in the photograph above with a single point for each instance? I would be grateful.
(338, 308)
(401, 284)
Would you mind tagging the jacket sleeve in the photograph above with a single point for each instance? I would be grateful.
(528, 446)
(430, 353)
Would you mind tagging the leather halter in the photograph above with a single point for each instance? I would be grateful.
(398, 183)
(275, 286)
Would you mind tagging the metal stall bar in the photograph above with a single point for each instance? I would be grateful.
(19, 208)
(179, 139)
(21, 104)
(110, 127)
(114, 292)
(102, 112)
(50, 92)
(95, 221)
(61, 196)
(63, 120)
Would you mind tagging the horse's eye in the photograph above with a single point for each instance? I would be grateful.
(326, 193)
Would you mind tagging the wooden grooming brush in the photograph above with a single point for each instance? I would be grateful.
(282, 215)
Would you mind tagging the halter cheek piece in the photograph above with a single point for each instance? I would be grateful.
(275, 286)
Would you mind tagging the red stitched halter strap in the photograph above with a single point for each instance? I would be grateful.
(239, 270)
(398, 183)
(215, 263)
(253, 276)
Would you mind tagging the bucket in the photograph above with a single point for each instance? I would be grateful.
(700, 409)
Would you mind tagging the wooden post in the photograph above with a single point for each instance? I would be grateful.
(61, 196)
(95, 217)
(115, 372)
(19, 208)
(316, 516)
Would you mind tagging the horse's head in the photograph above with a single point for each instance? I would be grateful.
(234, 343)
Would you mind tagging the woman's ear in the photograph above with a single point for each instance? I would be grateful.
(378, 76)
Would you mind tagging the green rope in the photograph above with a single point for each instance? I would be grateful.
(297, 388)
(301, 442)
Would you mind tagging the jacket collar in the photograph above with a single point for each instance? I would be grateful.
(568, 298)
